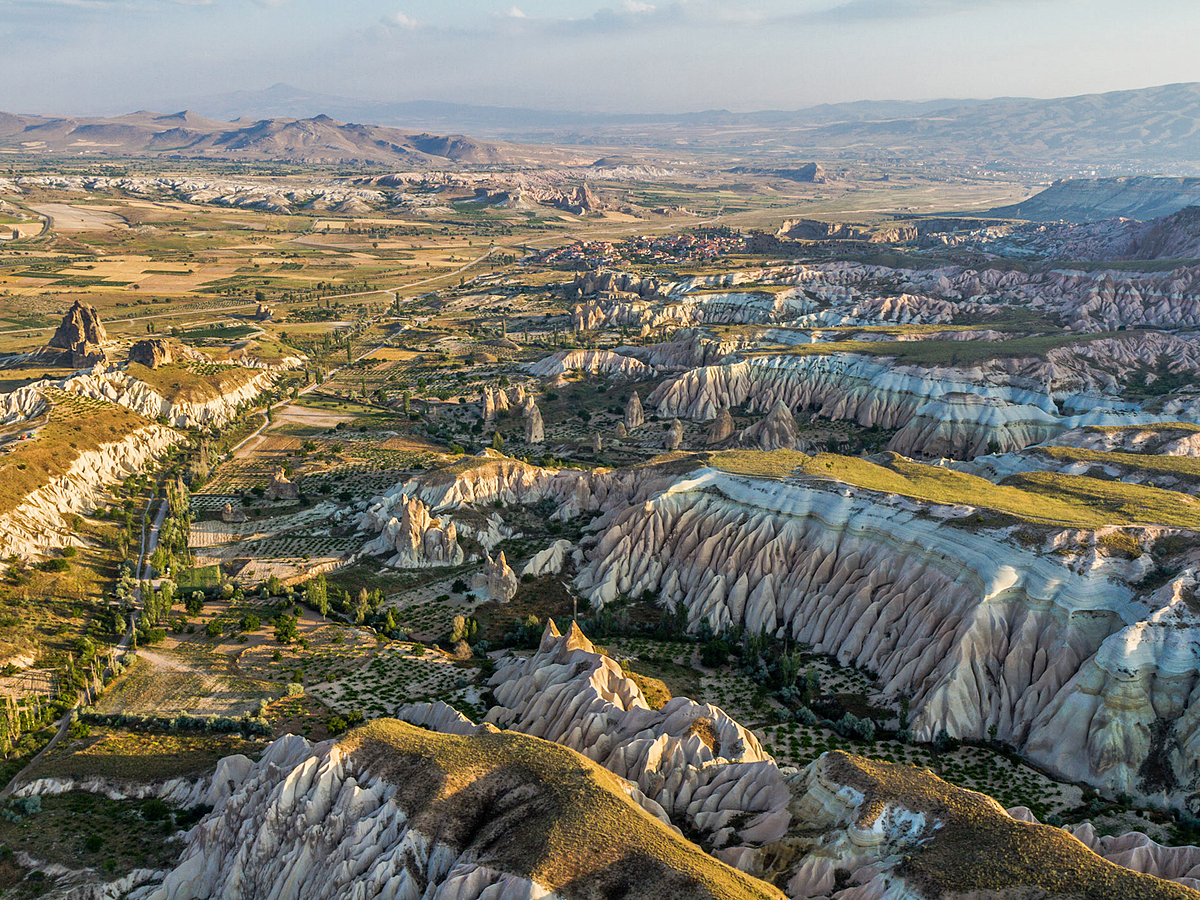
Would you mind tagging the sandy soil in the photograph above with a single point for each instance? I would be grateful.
(78, 218)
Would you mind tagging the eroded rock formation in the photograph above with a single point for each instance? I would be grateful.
(412, 537)
(722, 428)
(497, 580)
(365, 817)
(39, 522)
(776, 430)
(81, 335)
(674, 437)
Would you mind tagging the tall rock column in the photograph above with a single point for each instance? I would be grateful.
(635, 416)
(534, 430)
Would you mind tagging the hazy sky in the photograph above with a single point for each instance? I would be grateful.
(105, 56)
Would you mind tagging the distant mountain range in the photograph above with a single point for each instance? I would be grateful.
(316, 140)
(1147, 130)
(286, 101)
(1153, 130)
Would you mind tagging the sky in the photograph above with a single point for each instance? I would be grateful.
(82, 57)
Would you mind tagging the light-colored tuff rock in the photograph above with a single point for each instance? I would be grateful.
(674, 437)
(322, 827)
(374, 816)
(635, 415)
(1136, 851)
(535, 429)
(1000, 405)
(597, 444)
(39, 523)
(692, 759)
(722, 427)
(841, 822)
(437, 716)
(499, 400)
(776, 430)
(409, 535)
(975, 629)
(151, 353)
(621, 431)
(210, 790)
(497, 581)
(119, 387)
(963, 426)
(549, 561)
(603, 362)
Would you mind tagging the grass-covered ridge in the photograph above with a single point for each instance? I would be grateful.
(1037, 496)
(76, 425)
(540, 810)
(193, 382)
(1179, 466)
(980, 848)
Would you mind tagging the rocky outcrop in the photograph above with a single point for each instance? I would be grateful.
(1009, 403)
(151, 353)
(232, 516)
(535, 429)
(635, 416)
(498, 400)
(39, 523)
(674, 437)
(880, 831)
(497, 581)
(80, 335)
(413, 538)
(692, 759)
(722, 428)
(120, 387)
(549, 561)
(774, 431)
(282, 487)
(184, 793)
(494, 478)
(963, 426)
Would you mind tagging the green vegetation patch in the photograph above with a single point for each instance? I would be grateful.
(141, 756)
(198, 578)
(80, 830)
(981, 848)
(1180, 466)
(543, 811)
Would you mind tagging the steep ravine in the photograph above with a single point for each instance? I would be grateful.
(977, 631)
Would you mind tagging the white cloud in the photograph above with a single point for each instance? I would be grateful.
(514, 13)
(400, 20)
